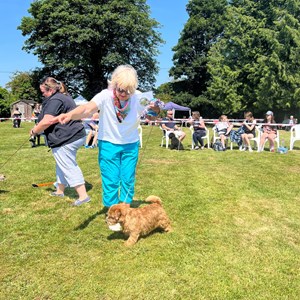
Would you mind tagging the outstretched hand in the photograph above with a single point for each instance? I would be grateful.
(62, 119)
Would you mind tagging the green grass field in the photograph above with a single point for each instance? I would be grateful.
(235, 218)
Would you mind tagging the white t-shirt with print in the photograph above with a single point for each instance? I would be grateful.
(110, 129)
(222, 126)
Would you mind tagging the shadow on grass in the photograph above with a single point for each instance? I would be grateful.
(119, 235)
(103, 211)
(87, 222)
(3, 191)
(70, 192)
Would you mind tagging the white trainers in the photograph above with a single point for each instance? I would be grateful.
(250, 149)
(242, 148)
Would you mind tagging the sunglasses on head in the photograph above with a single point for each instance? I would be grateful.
(121, 91)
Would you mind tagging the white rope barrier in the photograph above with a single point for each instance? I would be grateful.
(236, 122)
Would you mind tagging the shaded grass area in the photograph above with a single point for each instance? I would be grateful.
(235, 217)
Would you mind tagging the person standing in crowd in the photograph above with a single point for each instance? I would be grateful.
(120, 108)
(199, 129)
(16, 115)
(269, 132)
(36, 112)
(249, 131)
(64, 140)
(292, 122)
(91, 129)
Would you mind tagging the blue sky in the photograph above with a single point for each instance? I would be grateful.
(171, 14)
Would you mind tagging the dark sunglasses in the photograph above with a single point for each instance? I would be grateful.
(121, 91)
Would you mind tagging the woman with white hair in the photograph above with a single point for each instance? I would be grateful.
(120, 107)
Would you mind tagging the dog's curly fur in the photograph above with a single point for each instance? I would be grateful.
(140, 221)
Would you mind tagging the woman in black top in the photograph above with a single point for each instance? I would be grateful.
(63, 139)
(199, 129)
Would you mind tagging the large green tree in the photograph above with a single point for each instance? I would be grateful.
(256, 63)
(5, 101)
(22, 86)
(82, 41)
(203, 28)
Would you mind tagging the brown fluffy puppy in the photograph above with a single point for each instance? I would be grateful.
(140, 221)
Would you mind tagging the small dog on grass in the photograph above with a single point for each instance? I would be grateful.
(136, 222)
(175, 143)
(2, 177)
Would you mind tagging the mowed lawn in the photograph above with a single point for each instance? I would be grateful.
(235, 218)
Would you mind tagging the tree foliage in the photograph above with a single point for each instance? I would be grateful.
(23, 86)
(5, 101)
(176, 92)
(239, 55)
(255, 65)
(82, 41)
(204, 26)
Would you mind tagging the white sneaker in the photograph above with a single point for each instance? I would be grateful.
(242, 149)
(250, 149)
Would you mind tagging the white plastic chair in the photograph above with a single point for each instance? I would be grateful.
(165, 136)
(217, 137)
(295, 135)
(140, 129)
(276, 140)
(256, 139)
(205, 137)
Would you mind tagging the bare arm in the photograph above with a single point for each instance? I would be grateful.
(43, 124)
(80, 112)
(251, 126)
(202, 124)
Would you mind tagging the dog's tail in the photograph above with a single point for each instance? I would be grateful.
(154, 199)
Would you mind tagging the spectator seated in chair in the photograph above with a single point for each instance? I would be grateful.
(199, 130)
(269, 132)
(223, 128)
(292, 122)
(169, 126)
(249, 131)
(91, 128)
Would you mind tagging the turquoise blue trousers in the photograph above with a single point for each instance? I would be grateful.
(117, 167)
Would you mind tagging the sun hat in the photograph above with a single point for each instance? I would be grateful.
(269, 113)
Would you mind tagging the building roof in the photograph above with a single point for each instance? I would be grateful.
(25, 101)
